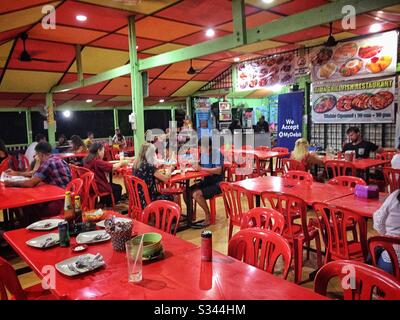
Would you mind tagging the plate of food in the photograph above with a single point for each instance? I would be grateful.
(44, 241)
(326, 71)
(351, 67)
(322, 56)
(44, 225)
(345, 51)
(92, 237)
(344, 103)
(360, 102)
(376, 65)
(80, 264)
(116, 219)
(325, 103)
(369, 51)
(381, 100)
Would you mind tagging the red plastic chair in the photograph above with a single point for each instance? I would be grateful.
(292, 207)
(107, 153)
(339, 168)
(9, 281)
(75, 187)
(279, 160)
(392, 179)
(261, 248)
(233, 204)
(347, 181)
(264, 218)
(386, 243)
(132, 185)
(93, 197)
(386, 155)
(173, 189)
(166, 215)
(4, 165)
(245, 166)
(334, 224)
(292, 165)
(74, 171)
(299, 175)
(368, 281)
(87, 179)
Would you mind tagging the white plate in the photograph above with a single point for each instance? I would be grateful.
(179, 171)
(116, 219)
(38, 241)
(41, 225)
(87, 237)
(64, 269)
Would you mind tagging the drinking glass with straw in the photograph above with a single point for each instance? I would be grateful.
(134, 252)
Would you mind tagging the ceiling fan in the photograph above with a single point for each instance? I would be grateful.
(331, 42)
(25, 56)
(192, 70)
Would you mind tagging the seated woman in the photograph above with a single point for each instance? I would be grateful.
(302, 154)
(77, 145)
(94, 162)
(144, 167)
(387, 223)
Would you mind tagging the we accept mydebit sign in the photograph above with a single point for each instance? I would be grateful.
(290, 118)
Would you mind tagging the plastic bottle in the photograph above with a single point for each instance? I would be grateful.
(206, 245)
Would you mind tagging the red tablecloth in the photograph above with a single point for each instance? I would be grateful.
(308, 192)
(180, 275)
(11, 197)
(364, 207)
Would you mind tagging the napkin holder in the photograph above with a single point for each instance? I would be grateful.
(367, 192)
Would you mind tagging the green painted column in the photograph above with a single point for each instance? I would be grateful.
(116, 119)
(50, 119)
(28, 120)
(137, 92)
(189, 107)
(302, 82)
(172, 114)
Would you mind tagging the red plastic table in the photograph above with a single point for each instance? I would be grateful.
(186, 178)
(11, 197)
(364, 164)
(363, 207)
(180, 275)
(68, 155)
(308, 192)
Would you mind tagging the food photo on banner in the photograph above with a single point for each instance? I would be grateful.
(365, 101)
(368, 57)
(290, 118)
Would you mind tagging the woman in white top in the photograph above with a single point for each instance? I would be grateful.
(387, 223)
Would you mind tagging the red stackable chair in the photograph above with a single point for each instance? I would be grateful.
(292, 165)
(392, 179)
(347, 181)
(132, 185)
(386, 243)
(261, 248)
(166, 215)
(233, 204)
(299, 175)
(173, 189)
(74, 171)
(334, 224)
(97, 194)
(292, 207)
(279, 160)
(4, 165)
(363, 281)
(75, 186)
(340, 168)
(264, 218)
(87, 179)
(9, 281)
(386, 155)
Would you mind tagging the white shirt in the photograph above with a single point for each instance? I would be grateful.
(396, 161)
(387, 221)
(30, 152)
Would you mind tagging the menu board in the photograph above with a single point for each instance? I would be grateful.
(225, 113)
(373, 56)
(369, 101)
(266, 72)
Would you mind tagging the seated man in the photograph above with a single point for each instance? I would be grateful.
(211, 160)
(361, 147)
(52, 170)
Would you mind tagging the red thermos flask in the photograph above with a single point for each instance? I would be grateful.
(206, 245)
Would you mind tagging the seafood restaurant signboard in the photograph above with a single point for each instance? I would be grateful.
(368, 101)
(369, 57)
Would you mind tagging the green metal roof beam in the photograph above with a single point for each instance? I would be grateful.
(303, 20)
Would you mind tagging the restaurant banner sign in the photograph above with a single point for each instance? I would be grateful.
(266, 72)
(369, 101)
(373, 56)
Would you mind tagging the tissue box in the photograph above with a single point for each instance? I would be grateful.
(369, 192)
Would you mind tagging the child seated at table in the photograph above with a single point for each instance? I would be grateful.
(144, 167)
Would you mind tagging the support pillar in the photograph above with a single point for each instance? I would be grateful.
(116, 120)
(136, 82)
(28, 120)
(50, 119)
